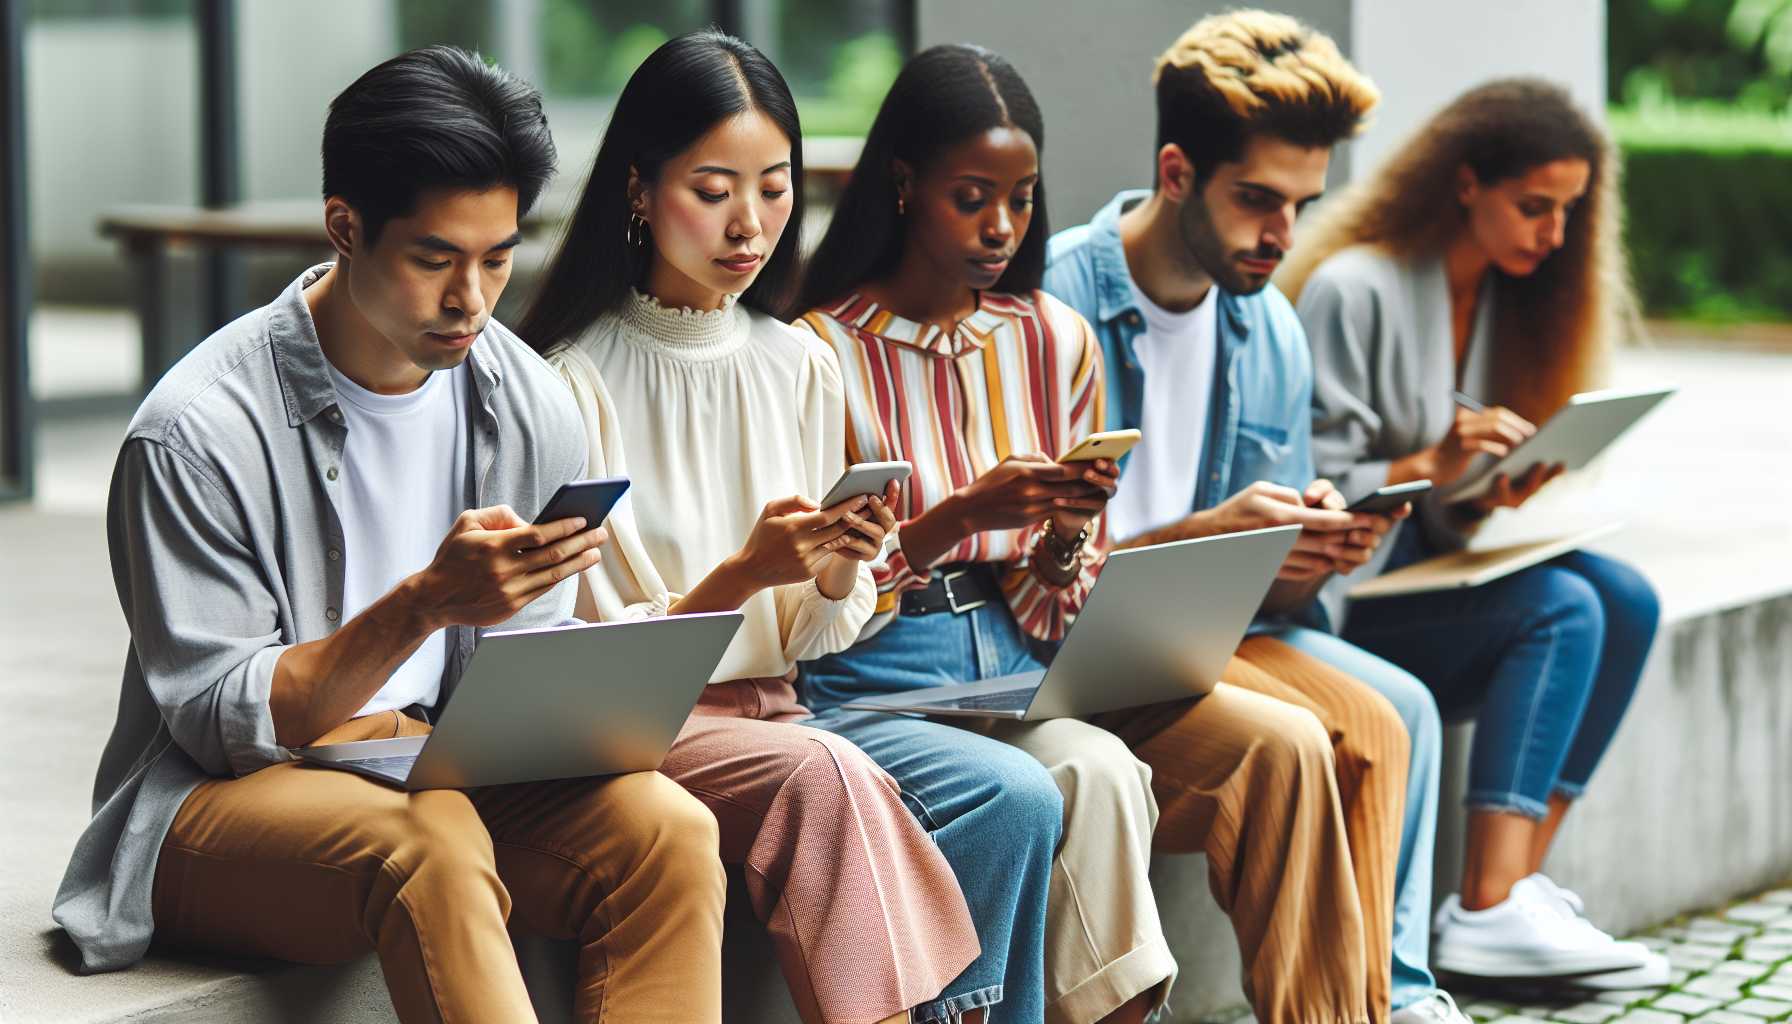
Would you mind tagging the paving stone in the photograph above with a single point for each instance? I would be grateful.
(1650, 1017)
(1686, 1003)
(1655, 942)
(1760, 953)
(1695, 958)
(1714, 985)
(1721, 922)
(1726, 1017)
(1742, 969)
(1772, 990)
(1587, 1013)
(1484, 1010)
(1766, 1009)
(1757, 913)
(1626, 996)
(1718, 933)
(1677, 977)
(1780, 896)
(1513, 1019)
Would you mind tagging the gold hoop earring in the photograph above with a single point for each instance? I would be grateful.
(900, 210)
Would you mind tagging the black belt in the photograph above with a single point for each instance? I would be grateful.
(956, 588)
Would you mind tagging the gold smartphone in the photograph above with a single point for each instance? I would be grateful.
(1108, 444)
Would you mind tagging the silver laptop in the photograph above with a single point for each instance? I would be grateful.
(1160, 625)
(557, 703)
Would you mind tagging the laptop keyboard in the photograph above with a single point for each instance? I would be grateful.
(1007, 700)
(396, 768)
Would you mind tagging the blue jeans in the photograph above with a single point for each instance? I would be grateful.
(1546, 660)
(1412, 978)
(994, 810)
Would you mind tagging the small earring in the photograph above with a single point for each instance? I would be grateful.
(636, 232)
(900, 209)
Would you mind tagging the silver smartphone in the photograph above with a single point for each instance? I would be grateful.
(865, 478)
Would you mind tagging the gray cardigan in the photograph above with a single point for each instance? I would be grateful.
(1383, 370)
(227, 548)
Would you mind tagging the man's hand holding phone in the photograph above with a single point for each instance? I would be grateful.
(493, 563)
(1353, 546)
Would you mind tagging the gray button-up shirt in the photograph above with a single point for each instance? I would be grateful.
(227, 548)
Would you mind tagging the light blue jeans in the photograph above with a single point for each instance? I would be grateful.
(1546, 660)
(1412, 700)
(994, 810)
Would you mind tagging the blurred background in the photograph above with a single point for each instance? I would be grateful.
(126, 117)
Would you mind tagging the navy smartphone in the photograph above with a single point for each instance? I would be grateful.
(590, 499)
(1390, 498)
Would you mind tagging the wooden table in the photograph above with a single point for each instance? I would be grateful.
(149, 233)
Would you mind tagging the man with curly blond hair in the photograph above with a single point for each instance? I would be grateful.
(1209, 361)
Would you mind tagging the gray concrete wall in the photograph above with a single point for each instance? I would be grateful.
(1422, 53)
(1089, 65)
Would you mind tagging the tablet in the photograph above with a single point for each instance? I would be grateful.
(1458, 569)
(1582, 429)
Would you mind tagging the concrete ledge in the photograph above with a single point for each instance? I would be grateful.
(1699, 782)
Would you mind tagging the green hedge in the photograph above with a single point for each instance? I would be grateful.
(1708, 197)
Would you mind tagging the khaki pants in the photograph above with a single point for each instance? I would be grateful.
(321, 866)
(1290, 777)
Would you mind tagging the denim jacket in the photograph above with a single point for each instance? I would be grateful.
(1260, 419)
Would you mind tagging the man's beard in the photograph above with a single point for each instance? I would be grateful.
(1205, 251)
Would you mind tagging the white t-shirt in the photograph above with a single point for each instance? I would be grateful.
(404, 471)
(1177, 353)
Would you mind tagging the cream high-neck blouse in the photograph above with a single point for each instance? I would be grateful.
(718, 413)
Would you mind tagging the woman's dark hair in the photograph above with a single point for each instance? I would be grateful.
(680, 92)
(433, 118)
(944, 95)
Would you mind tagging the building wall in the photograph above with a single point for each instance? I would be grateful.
(1089, 65)
(1422, 53)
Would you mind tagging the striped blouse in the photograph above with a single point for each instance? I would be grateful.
(1021, 374)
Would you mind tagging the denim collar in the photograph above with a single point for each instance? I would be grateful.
(1113, 280)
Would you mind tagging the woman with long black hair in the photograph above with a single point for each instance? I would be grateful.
(656, 311)
(926, 288)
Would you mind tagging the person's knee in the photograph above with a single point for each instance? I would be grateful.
(1293, 743)
(436, 842)
(1377, 731)
(1095, 764)
(1022, 795)
(1632, 603)
(680, 838)
(1559, 598)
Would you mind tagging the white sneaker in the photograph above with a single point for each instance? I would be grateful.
(1656, 972)
(1436, 1008)
(1531, 934)
(1563, 893)
(1451, 904)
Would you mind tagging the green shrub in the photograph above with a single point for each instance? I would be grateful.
(1708, 198)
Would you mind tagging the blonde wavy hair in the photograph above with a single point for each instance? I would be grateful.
(1554, 329)
(1244, 73)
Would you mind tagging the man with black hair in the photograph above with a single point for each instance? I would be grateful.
(1208, 359)
(277, 523)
